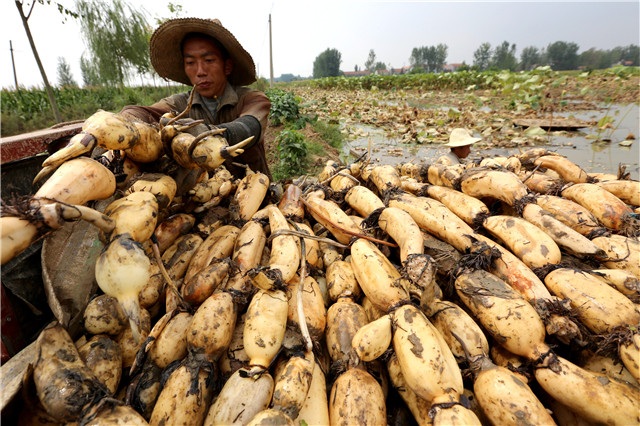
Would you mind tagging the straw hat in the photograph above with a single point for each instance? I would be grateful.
(166, 53)
(461, 137)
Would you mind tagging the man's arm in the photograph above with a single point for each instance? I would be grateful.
(150, 114)
(248, 118)
(252, 113)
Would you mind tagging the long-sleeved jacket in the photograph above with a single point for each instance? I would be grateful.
(241, 111)
(453, 158)
(449, 159)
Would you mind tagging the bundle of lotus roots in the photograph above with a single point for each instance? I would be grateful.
(500, 292)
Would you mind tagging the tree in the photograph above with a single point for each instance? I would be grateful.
(429, 58)
(620, 54)
(287, 78)
(439, 57)
(175, 10)
(327, 64)
(600, 59)
(593, 59)
(631, 53)
(504, 57)
(418, 59)
(65, 78)
(529, 58)
(89, 73)
(25, 23)
(117, 36)
(380, 66)
(369, 65)
(544, 57)
(563, 55)
(482, 56)
(464, 67)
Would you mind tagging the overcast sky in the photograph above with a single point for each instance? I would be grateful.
(301, 30)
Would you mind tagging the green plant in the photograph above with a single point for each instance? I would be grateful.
(285, 109)
(284, 106)
(620, 75)
(329, 132)
(292, 154)
(261, 84)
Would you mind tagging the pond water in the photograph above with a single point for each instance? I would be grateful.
(578, 146)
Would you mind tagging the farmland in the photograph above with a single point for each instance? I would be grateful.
(408, 117)
(28, 110)
(415, 295)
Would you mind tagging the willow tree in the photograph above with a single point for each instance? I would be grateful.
(117, 37)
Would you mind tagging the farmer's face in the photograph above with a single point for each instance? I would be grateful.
(462, 151)
(205, 66)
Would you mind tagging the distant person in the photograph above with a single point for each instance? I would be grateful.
(204, 54)
(460, 142)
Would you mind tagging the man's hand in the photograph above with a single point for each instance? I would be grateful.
(197, 129)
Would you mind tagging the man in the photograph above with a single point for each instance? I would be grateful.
(460, 142)
(204, 54)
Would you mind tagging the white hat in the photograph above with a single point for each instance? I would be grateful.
(461, 137)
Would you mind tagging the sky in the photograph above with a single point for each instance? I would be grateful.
(302, 29)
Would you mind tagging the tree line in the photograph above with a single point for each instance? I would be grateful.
(560, 55)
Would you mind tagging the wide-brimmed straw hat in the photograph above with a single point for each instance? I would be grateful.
(166, 50)
(461, 137)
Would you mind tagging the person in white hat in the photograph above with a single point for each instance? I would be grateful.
(204, 54)
(460, 142)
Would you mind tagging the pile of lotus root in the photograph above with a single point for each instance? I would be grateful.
(499, 292)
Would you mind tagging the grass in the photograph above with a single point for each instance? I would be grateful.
(330, 133)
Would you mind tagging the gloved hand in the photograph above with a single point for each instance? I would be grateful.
(197, 129)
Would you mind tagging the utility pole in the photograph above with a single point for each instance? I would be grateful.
(270, 52)
(13, 62)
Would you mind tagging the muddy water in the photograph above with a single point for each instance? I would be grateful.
(578, 146)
